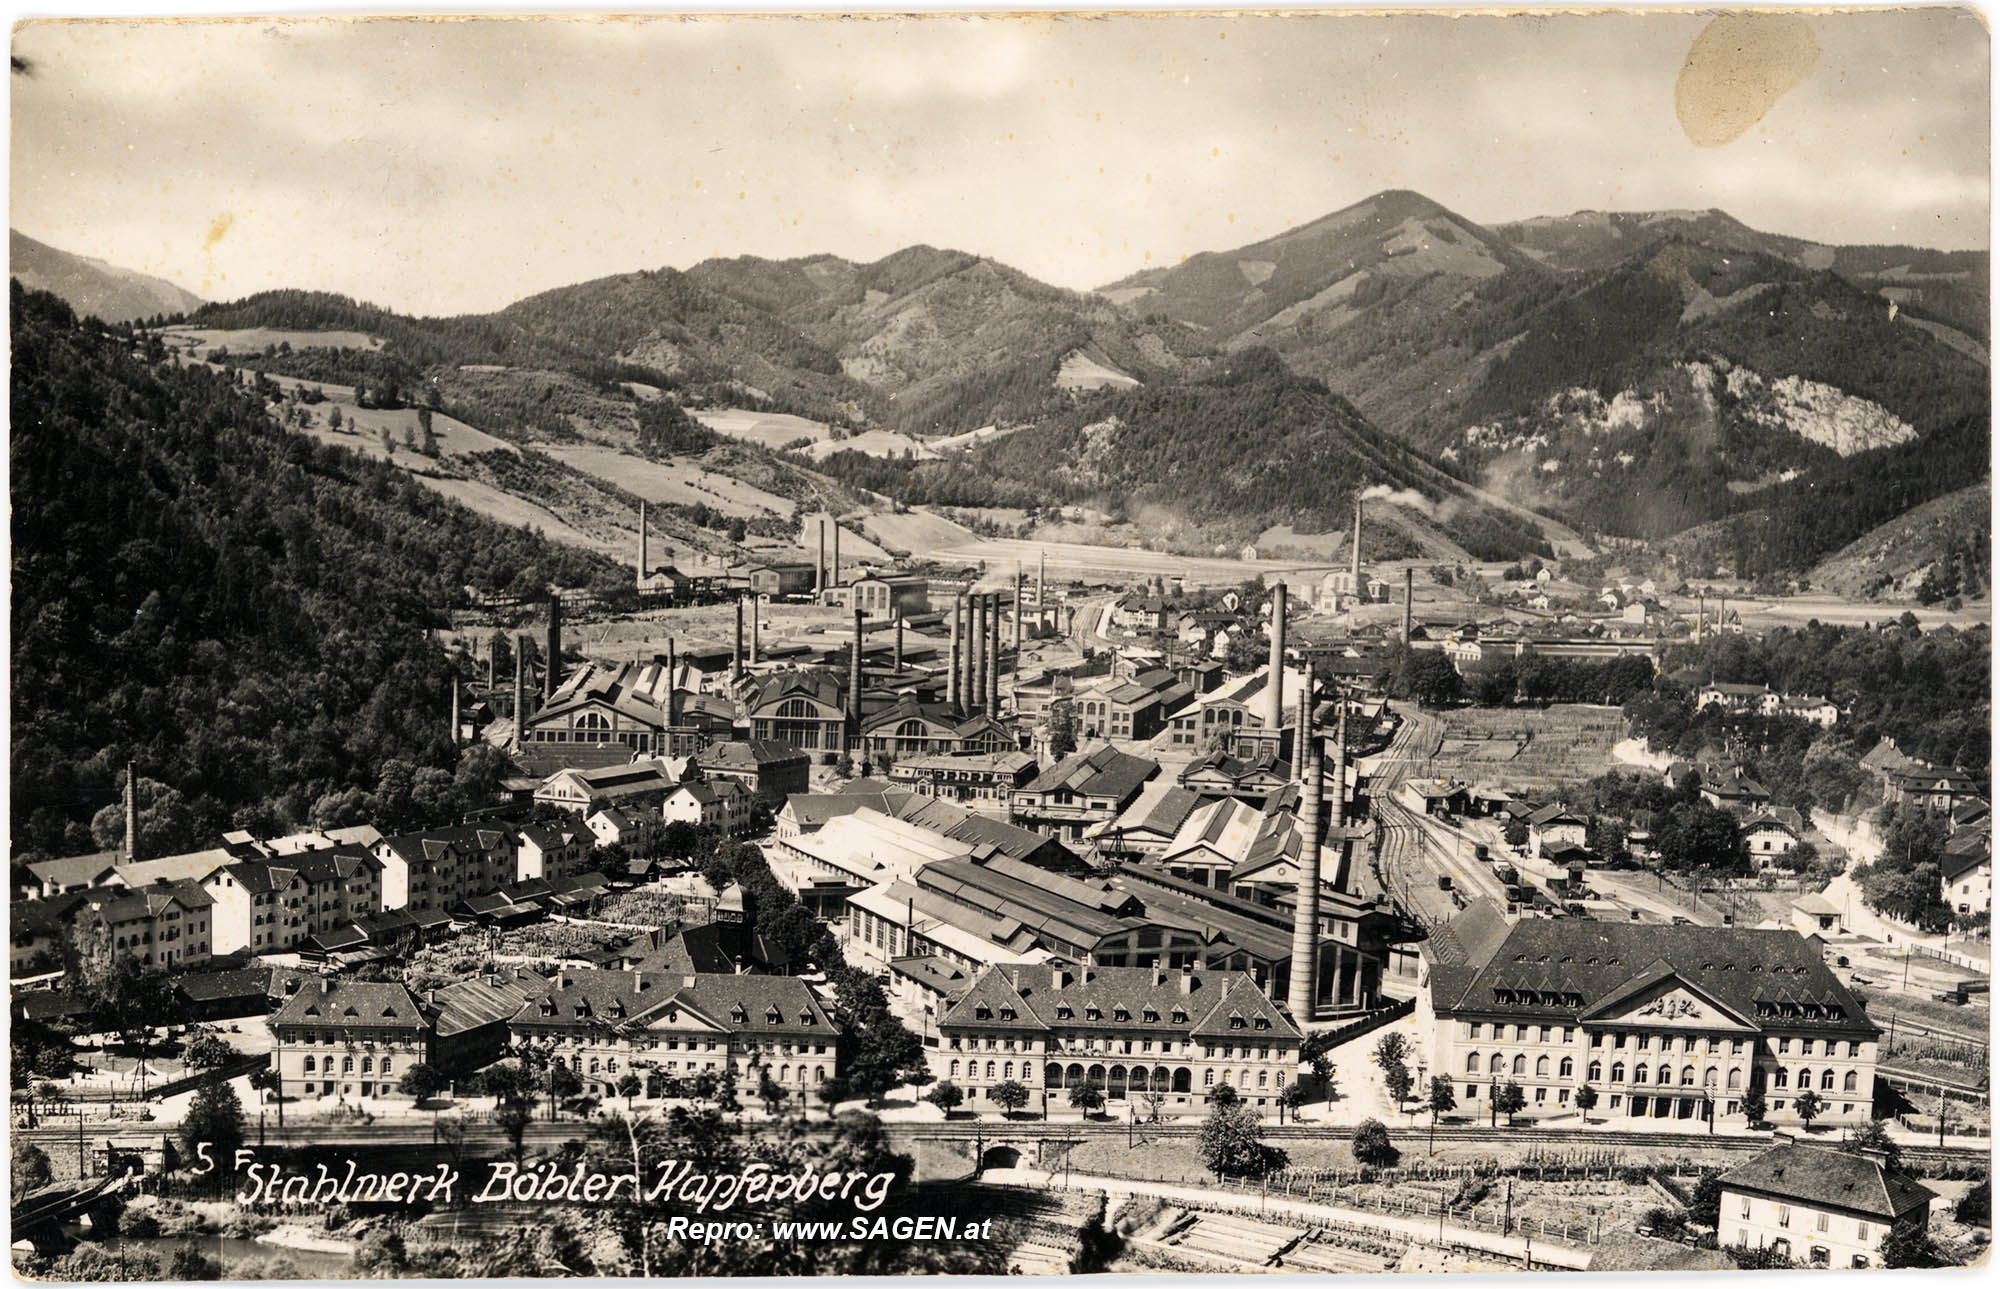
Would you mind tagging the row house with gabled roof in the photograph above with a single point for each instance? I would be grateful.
(1132, 1031)
(1662, 1022)
(659, 1026)
(271, 906)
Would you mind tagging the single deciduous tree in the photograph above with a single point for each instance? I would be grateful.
(1372, 1147)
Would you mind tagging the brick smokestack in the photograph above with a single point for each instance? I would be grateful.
(819, 562)
(1354, 555)
(1274, 686)
(736, 650)
(951, 695)
(131, 810)
(643, 552)
(899, 645)
(673, 690)
(1304, 980)
(854, 676)
(1339, 801)
(976, 655)
(552, 665)
(1019, 578)
(836, 552)
(520, 693)
(454, 705)
(756, 630)
(993, 657)
(1409, 582)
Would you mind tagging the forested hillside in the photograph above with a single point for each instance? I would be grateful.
(1229, 454)
(243, 611)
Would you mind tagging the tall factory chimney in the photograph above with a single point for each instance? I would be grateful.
(899, 645)
(132, 810)
(1721, 611)
(454, 706)
(854, 678)
(1339, 814)
(520, 693)
(552, 665)
(491, 662)
(993, 658)
(643, 553)
(819, 561)
(1354, 555)
(756, 630)
(1304, 983)
(975, 672)
(1409, 581)
(736, 650)
(1019, 577)
(836, 552)
(951, 695)
(1042, 579)
(673, 689)
(1274, 686)
(1700, 611)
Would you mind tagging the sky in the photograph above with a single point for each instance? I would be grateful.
(442, 167)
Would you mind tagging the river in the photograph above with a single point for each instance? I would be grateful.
(233, 1253)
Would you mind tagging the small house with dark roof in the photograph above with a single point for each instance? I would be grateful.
(1819, 1207)
(1770, 833)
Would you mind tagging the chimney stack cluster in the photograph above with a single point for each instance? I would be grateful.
(520, 692)
(952, 671)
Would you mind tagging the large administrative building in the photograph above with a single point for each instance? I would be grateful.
(1663, 1022)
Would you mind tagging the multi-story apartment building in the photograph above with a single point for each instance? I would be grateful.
(1131, 1031)
(430, 872)
(348, 1038)
(270, 906)
(605, 1024)
(165, 924)
(1822, 1208)
(550, 851)
(1663, 1022)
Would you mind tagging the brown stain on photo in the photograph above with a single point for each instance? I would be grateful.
(217, 229)
(1737, 70)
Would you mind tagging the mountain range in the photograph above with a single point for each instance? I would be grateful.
(94, 287)
(1638, 375)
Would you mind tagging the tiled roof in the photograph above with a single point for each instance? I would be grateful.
(1140, 999)
(1597, 962)
(489, 1000)
(813, 809)
(748, 754)
(76, 869)
(1105, 772)
(331, 1002)
(1831, 1179)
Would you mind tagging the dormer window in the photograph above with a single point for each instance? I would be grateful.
(1263, 1022)
(807, 1019)
(1520, 957)
(1093, 1012)
(1235, 1020)
(1006, 1013)
(739, 1014)
(982, 1012)
(1152, 1016)
(1180, 1017)
(774, 1017)
(1065, 1012)
(548, 1007)
(1119, 1013)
